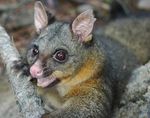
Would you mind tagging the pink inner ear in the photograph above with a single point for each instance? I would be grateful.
(82, 26)
(40, 16)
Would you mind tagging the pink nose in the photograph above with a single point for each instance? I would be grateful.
(36, 70)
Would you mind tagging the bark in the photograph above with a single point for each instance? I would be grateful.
(29, 102)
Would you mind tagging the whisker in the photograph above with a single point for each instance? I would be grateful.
(45, 68)
(47, 71)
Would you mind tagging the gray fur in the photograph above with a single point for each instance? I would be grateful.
(119, 61)
(59, 36)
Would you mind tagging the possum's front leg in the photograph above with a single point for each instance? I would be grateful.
(21, 65)
(88, 102)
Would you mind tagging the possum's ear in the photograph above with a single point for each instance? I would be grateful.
(40, 16)
(82, 26)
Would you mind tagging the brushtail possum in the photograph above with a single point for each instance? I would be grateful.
(80, 71)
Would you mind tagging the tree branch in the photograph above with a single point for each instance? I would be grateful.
(136, 98)
(29, 103)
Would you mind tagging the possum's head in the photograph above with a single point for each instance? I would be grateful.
(60, 49)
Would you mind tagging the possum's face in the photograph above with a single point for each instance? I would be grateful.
(54, 55)
(58, 52)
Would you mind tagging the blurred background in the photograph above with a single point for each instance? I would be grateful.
(17, 17)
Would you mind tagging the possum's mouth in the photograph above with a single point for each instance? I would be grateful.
(44, 82)
(37, 72)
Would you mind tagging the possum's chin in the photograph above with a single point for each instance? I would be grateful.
(44, 82)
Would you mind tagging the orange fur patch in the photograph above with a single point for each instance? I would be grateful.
(89, 70)
(86, 72)
(84, 88)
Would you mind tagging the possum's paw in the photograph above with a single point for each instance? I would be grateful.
(21, 66)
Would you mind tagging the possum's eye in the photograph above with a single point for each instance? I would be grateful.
(60, 55)
(35, 51)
